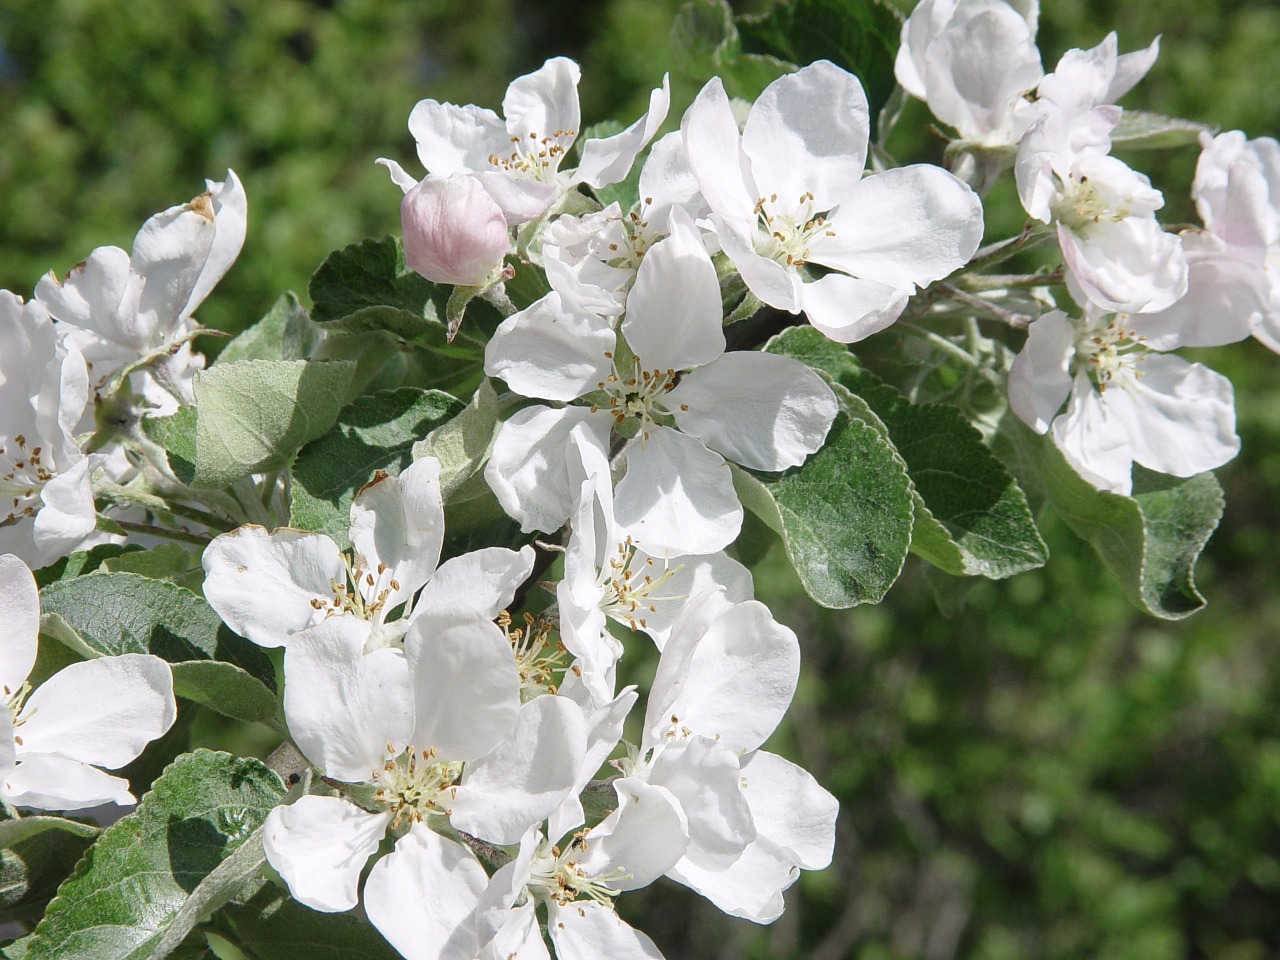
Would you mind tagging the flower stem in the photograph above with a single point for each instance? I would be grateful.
(165, 532)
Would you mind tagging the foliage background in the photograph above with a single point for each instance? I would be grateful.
(1047, 775)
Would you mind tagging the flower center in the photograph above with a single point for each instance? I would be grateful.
(538, 657)
(639, 394)
(1083, 202)
(534, 155)
(629, 592)
(15, 701)
(1113, 353)
(556, 875)
(415, 785)
(363, 594)
(785, 236)
(22, 476)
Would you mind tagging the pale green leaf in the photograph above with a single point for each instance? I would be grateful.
(1141, 130)
(284, 333)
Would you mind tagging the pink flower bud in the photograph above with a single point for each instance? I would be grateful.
(454, 232)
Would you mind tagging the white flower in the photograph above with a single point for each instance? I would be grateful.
(270, 586)
(1125, 403)
(119, 307)
(97, 713)
(432, 732)
(972, 62)
(685, 402)
(789, 191)
(46, 501)
(518, 159)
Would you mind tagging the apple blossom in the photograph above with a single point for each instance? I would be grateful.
(789, 191)
(89, 715)
(453, 231)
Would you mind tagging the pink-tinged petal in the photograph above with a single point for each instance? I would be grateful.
(230, 219)
(767, 279)
(454, 231)
(169, 252)
(526, 469)
(101, 711)
(343, 705)
(551, 351)
(527, 777)
(760, 410)
(610, 159)
(751, 887)
(263, 584)
(466, 687)
(544, 104)
(677, 496)
(791, 808)
(705, 777)
(1126, 266)
(807, 134)
(674, 317)
(56, 783)
(20, 614)
(847, 309)
(905, 227)
(688, 577)
(474, 586)
(1039, 380)
(586, 930)
(453, 139)
(715, 153)
(645, 835)
(422, 897)
(1225, 299)
(319, 845)
(1094, 440)
(399, 521)
(1181, 416)
(730, 678)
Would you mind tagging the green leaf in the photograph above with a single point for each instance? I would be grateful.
(705, 43)
(114, 613)
(1141, 130)
(255, 414)
(32, 868)
(971, 517)
(285, 333)
(1150, 541)
(371, 273)
(377, 432)
(844, 515)
(134, 882)
(81, 562)
(862, 36)
(167, 561)
(273, 927)
(461, 443)
(176, 434)
(15, 830)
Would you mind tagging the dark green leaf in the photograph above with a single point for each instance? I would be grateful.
(706, 44)
(81, 562)
(371, 273)
(176, 433)
(376, 432)
(273, 927)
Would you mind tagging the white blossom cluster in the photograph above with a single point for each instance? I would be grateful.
(485, 785)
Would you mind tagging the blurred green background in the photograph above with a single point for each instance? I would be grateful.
(1048, 775)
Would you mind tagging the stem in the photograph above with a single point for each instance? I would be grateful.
(1031, 236)
(1002, 281)
(946, 346)
(1019, 321)
(156, 531)
(246, 494)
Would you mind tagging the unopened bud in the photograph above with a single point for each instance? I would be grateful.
(454, 232)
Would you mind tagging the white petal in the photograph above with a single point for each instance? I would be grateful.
(453, 139)
(101, 295)
(170, 252)
(763, 411)
(475, 586)
(1226, 298)
(526, 470)
(262, 584)
(422, 897)
(674, 317)
(344, 705)
(645, 835)
(768, 280)
(705, 777)
(808, 133)
(731, 678)
(320, 845)
(715, 152)
(466, 687)
(101, 711)
(751, 887)
(1039, 380)
(791, 808)
(847, 309)
(690, 577)
(399, 521)
(519, 938)
(519, 198)
(905, 227)
(20, 614)
(609, 160)
(587, 930)
(677, 496)
(56, 783)
(398, 175)
(551, 351)
(544, 103)
(1093, 439)
(527, 777)
(230, 219)
(605, 731)
(67, 515)
(1126, 266)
